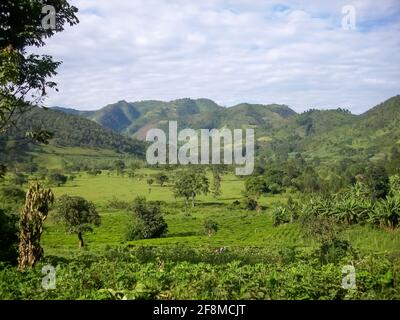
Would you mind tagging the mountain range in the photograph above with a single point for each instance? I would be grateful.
(326, 134)
(319, 135)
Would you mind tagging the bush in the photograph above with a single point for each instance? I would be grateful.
(116, 204)
(148, 221)
(11, 198)
(249, 204)
(210, 227)
(8, 237)
(57, 179)
(280, 215)
(323, 229)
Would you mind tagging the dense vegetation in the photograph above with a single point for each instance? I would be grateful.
(66, 131)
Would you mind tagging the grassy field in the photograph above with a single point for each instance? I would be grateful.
(238, 227)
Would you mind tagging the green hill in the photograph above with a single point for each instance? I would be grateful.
(71, 131)
(328, 135)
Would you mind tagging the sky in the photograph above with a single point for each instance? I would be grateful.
(300, 53)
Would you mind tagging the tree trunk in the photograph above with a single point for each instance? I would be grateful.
(81, 243)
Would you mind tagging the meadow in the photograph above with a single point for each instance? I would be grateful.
(249, 257)
(238, 227)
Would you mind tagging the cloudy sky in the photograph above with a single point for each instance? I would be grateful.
(290, 52)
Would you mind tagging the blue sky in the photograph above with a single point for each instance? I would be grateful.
(231, 51)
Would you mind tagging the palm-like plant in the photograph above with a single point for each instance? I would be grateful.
(386, 212)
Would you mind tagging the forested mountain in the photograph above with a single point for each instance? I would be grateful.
(322, 134)
(134, 119)
(69, 130)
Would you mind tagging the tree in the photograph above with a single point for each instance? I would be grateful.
(24, 77)
(378, 181)
(216, 185)
(78, 215)
(161, 178)
(189, 184)
(255, 187)
(37, 205)
(148, 221)
(310, 180)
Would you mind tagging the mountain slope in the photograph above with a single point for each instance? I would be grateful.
(75, 131)
(329, 135)
(134, 119)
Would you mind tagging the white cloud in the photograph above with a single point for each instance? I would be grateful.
(230, 51)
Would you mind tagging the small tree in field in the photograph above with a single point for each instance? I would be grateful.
(216, 185)
(148, 221)
(161, 178)
(190, 184)
(150, 181)
(78, 215)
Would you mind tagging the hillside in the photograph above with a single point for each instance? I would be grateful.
(72, 131)
(326, 135)
(134, 119)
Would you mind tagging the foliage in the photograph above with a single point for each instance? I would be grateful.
(56, 178)
(190, 183)
(148, 221)
(216, 184)
(176, 273)
(386, 212)
(8, 237)
(161, 178)
(116, 204)
(249, 204)
(24, 77)
(37, 205)
(210, 227)
(378, 181)
(11, 197)
(78, 215)
(280, 215)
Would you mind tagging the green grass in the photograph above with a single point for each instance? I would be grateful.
(237, 227)
(52, 157)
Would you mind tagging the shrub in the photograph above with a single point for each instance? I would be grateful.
(57, 178)
(116, 204)
(322, 229)
(210, 227)
(11, 197)
(386, 212)
(280, 215)
(249, 204)
(8, 237)
(148, 221)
